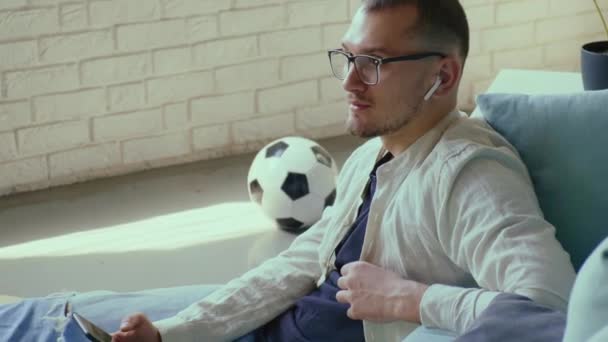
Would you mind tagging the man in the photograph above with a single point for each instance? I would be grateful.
(434, 218)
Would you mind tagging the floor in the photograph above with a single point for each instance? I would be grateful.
(141, 230)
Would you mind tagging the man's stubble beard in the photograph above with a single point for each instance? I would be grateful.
(389, 126)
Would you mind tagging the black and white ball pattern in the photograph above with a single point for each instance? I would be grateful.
(293, 179)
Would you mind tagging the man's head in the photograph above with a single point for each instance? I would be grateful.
(440, 23)
(394, 28)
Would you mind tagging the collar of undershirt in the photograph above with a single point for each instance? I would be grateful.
(384, 159)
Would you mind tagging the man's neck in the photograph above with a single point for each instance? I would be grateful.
(402, 139)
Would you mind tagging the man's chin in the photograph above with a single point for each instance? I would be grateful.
(356, 126)
(360, 132)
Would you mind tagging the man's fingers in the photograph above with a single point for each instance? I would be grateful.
(350, 313)
(343, 296)
(346, 269)
(124, 336)
(355, 265)
(126, 324)
(117, 337)
(349, 283)
(131, 322)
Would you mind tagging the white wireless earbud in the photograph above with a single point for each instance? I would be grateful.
(433, 89)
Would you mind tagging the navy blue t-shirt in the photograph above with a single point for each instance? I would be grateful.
(318, 316)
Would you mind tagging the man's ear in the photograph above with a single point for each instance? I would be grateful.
(450, 72)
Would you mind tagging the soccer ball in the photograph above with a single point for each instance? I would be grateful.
(293, 179)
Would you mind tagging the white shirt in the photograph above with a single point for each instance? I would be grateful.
(456, 210)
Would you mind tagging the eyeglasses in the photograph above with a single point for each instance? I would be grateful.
(368, 67)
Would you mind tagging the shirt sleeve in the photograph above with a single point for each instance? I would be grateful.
(490, 225)
(264, 292)
(253, 299)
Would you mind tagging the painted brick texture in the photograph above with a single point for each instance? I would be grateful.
(95, 88)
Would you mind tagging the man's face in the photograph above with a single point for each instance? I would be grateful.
(384, 108)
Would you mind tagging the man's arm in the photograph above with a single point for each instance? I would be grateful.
(256, 297)
(263, 293)
(491, 226)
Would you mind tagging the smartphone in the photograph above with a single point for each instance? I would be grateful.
(93, 332)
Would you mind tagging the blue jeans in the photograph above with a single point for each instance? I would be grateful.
(43, 319)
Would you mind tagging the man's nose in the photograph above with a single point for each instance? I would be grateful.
(352, 82)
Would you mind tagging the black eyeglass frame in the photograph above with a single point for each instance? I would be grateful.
(378, 61)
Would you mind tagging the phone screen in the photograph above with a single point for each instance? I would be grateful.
(93, 332)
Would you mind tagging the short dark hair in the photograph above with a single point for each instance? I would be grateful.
(440, 23)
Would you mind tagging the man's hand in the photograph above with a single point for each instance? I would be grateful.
(378, 295)
(136, 328)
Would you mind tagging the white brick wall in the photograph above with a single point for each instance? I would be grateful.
(156, 148)
(539, 34)
(95, 158)
(115, 69)
(66, 106)
(223, 108)
(93, 88)
(288, 97)
(50, 138)
(124, 126)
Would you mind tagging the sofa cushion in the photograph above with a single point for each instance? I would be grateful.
(563, 140)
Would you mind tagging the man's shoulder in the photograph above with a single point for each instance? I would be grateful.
(469, 139)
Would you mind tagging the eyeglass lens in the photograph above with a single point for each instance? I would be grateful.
(366, 68)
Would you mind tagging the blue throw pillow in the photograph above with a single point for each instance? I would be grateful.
(563, 140)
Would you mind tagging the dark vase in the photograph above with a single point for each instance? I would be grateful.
(594, 65)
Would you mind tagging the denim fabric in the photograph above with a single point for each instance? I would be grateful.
(43, 319)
